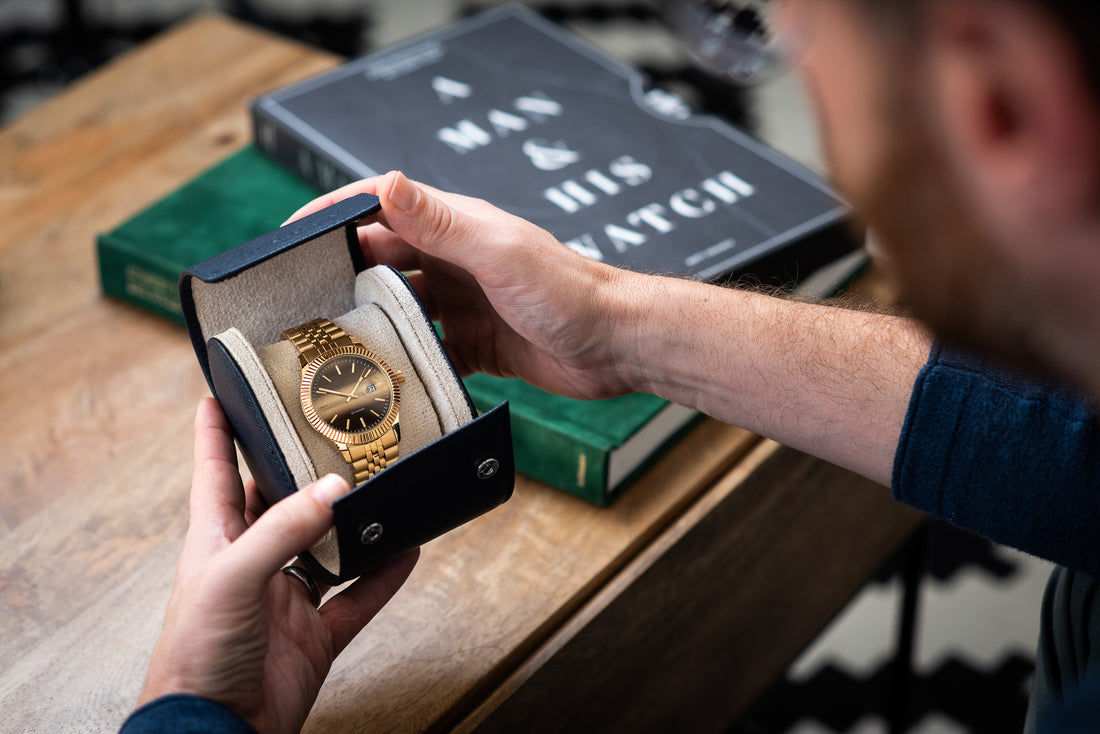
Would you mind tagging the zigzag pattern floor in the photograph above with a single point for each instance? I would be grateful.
(965, 698)
(973, 659)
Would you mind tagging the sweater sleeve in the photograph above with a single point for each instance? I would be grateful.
(1077, 714)
(1011, 459)
(182, 714)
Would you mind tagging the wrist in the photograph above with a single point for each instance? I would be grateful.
(158, 686)
(627, 300)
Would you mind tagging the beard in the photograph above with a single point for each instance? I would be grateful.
(945, 269)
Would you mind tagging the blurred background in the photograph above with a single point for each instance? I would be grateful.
(46, 44)
(942, 640)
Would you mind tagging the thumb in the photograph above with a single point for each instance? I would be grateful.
(424, 220)
(286, 529)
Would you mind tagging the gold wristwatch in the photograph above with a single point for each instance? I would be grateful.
(349, 395)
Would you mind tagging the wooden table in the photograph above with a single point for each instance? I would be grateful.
(670, 610)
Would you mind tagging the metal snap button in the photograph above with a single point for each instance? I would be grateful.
(488, 469)
(371, 533)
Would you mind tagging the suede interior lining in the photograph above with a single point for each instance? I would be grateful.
(377, 309)
(316, 277)
(274, 406)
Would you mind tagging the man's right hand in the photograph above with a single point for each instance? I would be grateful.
(512, 300)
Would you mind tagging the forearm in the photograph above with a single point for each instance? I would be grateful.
(829, 381)
(515, 302)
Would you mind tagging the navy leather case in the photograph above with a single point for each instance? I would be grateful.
(440, 486)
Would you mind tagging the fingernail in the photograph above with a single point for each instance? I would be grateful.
(403, 193)
(330, 488)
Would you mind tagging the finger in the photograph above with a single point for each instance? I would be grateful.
(322, 588)
(254, 502)
(217, 494)
(426, 220)
(363, 186)
(419, 283)
(287, 528)
(382, 246)
(349, 611)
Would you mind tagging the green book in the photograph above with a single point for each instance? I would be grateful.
(590, 448)
(240, 198)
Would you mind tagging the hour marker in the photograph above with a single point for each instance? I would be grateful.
(337, 369)
(353, 368)
(363, 421)
(379, 400)
(369, 370)
(347, 426)
(326, 378)
(375, 413)
(332, 420)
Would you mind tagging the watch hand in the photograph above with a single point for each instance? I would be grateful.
(355, 388)
(333, 392)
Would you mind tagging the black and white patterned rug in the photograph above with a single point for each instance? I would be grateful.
(973, 652)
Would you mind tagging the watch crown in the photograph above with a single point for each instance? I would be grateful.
(399, 378)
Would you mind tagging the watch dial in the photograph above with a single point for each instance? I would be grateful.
(351, 393)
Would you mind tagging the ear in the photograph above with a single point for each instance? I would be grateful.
(1014, 106)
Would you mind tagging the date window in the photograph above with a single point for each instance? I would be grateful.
(372, 388)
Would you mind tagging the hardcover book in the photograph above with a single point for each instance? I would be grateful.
(590, 448)
(512, 108)
(240, 198)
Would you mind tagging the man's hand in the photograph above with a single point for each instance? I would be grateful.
(237, 631)
(512, 300)
(515, 302)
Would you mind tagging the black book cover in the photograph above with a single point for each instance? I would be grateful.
(510, 107)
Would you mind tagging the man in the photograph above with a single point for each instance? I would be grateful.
(967, 134)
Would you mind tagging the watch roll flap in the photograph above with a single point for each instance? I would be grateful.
(443, 485)
(279, 279)
(237, 307)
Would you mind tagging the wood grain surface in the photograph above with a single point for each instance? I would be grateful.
(95, 436)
